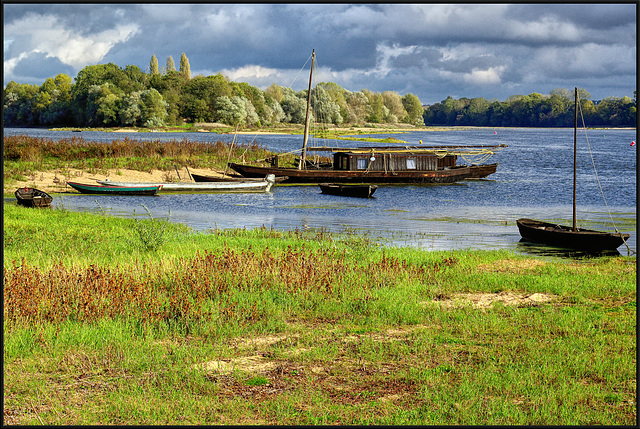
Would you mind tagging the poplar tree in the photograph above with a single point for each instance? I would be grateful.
(171, 66)
(153, 66)
(185, 69)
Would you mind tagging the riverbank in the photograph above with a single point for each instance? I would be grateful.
(54, 181)
(104, 326)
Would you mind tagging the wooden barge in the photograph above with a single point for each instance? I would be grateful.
(390, 165)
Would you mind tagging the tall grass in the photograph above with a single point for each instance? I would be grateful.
(305, 327)
(24, 154)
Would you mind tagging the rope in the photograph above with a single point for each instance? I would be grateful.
(300, 71)
(629, 251)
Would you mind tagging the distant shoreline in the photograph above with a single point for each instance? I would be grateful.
(292, 131)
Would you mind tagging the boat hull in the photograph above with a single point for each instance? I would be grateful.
(348, 176)
(201, 178)
(227, 186)
(563, 236)
(32, 197)
(482, 171)
(114, 190)
(359, 191)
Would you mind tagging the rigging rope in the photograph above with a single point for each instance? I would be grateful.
(598, 180)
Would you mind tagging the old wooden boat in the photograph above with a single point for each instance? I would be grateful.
(570, 237)
(231, 178)
(32, 197)
(393, 165)
(348, 190)
(263, 185)
(447, 175)
(115, 190)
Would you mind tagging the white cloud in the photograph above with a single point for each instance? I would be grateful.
(45, 34)
(490, 76)
(250, 72)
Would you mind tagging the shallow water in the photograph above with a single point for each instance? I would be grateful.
(534, 179)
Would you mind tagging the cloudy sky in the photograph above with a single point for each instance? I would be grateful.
(430, 50)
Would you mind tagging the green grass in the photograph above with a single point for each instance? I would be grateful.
(304, 327)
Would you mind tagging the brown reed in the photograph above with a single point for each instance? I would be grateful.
(194, 288)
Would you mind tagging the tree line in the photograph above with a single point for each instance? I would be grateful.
(533, 110)
(106, 95)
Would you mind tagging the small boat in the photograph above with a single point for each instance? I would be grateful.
(566, 237)
(570, 237)
(231, 178)
(350, 190)
(114, 190)
(32, 197)
(263, 185)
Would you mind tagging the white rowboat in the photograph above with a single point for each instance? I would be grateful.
(260, 186)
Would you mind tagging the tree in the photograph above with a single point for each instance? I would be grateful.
(230, 110)
(325, 110)
(414, 109)
(275, 92)
(357, 107)
(294, 108)
(153, 108)
(393, 102)
(130, 112)
(102, 105)
(153, 66)
(185, 68)
(376, 112)
(171, 66)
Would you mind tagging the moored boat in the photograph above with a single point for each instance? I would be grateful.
(446, 175)
(566, 237)
(570, 237)
(32, 197)
(85, 188)
(263, 185)
(199, 178)
(392, 165)
(348, 190)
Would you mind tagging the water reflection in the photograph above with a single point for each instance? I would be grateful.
(541, 250)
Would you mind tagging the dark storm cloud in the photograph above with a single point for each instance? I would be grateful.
(431, 50)
(39, 67)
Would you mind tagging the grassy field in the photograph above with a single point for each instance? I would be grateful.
(121, 321)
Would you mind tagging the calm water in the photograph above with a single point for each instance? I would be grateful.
(534, 179)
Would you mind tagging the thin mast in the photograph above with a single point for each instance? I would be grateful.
(575, 156)
(307, 118)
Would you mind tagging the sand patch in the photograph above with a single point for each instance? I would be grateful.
(485, 300)
(512, 266)
(251, 364)
(55, 181)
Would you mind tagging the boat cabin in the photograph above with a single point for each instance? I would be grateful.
(404, 161)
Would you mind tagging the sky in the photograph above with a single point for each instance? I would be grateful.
(430, 50)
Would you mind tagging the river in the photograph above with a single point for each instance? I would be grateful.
(534, 179)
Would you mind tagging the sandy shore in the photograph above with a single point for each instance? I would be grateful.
(55, 181)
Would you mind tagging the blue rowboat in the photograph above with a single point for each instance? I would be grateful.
(114, 190)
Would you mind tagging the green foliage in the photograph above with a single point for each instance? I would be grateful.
(533, 110)
(153, 66)
(107, 95)
(185, 68)
(151, 232)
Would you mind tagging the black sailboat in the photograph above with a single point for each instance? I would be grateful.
(570, 237)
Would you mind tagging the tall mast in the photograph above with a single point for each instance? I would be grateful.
(575, 156)
(307, 118)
